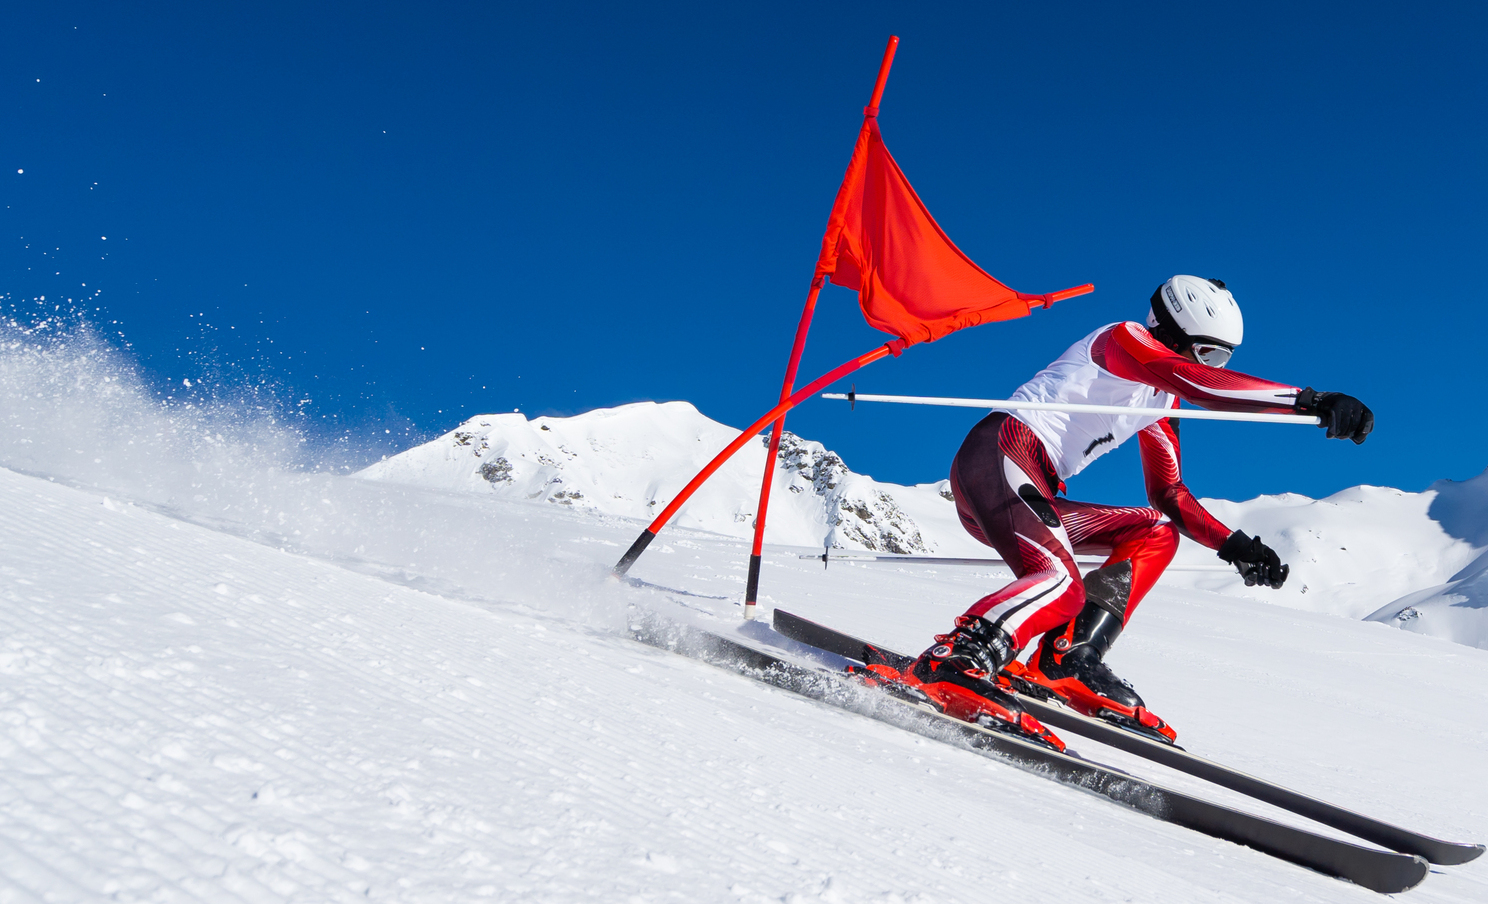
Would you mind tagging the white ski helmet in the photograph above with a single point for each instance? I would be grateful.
(1188, 311)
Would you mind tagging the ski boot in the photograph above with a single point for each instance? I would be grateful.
(957, 676)
(1070, 666)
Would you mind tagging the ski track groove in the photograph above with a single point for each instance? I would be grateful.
(369, 741)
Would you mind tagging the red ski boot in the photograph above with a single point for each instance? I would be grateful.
(1077, 675)
(1069, 663)
(956, 676)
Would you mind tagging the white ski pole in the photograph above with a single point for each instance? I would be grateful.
(827, 558)
(1013, 404)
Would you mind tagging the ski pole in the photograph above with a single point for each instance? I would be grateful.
(826, 558)
(1017, 404)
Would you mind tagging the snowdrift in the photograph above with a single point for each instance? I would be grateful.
(1389, 555)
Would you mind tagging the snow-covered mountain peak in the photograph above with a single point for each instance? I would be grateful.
(630, 461)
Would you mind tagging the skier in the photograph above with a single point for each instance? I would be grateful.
(1009, 471)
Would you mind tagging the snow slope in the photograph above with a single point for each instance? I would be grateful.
(1457, 608)
(1357, 553)
(1349, 553)
(223, 677)
(189, 715)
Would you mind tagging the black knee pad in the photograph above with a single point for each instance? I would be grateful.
(1041, 506)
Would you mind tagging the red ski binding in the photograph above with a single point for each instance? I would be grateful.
(961, 703)
(1027, 679)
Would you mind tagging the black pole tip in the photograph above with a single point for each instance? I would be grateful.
(636, 548)
(751, 588)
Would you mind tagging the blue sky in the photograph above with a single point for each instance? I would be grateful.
(413, 213)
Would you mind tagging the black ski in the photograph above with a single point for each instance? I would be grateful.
(1382, 871)
(1381, 833)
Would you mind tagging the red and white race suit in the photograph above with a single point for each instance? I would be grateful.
(1009, 470)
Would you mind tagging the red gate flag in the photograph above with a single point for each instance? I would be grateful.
(911, 279)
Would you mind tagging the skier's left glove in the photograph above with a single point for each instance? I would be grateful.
(1345, 416)
(1258, 563)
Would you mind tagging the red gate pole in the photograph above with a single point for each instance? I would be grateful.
(751, 587)
(831, 376)
(883, 77)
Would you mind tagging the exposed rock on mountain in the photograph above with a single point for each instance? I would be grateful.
(632, 460)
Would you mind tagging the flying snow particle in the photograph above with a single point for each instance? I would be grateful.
(20, 171)
(104, 237)
(186, 383)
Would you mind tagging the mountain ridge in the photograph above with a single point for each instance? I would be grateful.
(1404, 559)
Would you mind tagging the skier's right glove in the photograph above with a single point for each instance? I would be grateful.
(1345, 416)
(1258, 563)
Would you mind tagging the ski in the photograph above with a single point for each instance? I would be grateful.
(1382, 871)
(1384, 834)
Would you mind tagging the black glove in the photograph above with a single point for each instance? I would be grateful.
(1345, 416)
(1258, 563)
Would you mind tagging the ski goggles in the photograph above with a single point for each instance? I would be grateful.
(1212, 354)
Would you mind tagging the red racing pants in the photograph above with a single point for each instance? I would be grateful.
(1005, 487)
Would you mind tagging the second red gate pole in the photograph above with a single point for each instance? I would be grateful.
(751, 587)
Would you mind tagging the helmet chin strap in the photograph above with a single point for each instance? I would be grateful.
(1168, 331)
(1161, 334)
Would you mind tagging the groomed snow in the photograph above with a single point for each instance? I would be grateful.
(226, 679)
